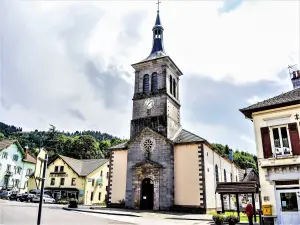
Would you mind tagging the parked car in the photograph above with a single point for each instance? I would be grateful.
(5, 194)
(15, 197)
(26, 197)
(46, 199)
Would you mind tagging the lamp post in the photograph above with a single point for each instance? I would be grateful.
(42, 190)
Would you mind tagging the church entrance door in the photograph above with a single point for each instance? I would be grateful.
(147, 194)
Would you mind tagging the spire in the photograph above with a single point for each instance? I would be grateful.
(157, 46)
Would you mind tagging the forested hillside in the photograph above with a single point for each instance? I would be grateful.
(242, 159)
(91, 144)
(79, 144)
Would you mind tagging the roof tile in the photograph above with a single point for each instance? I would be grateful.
(187, 137)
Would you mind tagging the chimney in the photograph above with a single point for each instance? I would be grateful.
(230, 156)
(295, 76)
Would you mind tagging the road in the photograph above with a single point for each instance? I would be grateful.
(19, 213)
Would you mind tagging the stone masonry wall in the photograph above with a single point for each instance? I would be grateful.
(162, 154)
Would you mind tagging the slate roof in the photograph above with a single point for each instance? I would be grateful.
(6, 143)
(236, 187)
(187, 137)
(83, 167)
(289, 98)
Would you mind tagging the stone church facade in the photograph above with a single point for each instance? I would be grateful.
(163, 166)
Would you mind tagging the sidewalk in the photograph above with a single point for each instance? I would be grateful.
(145, 214)
(139, 213)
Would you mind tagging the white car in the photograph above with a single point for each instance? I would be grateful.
(46, 199)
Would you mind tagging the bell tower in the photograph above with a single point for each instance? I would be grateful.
(156, 89)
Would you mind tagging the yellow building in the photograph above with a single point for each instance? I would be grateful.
(86, 179)
(35, 179)
(276, 126)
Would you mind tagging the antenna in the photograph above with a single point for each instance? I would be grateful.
(290, 67)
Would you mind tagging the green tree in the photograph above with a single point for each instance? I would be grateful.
(2, 137)
(86, 147)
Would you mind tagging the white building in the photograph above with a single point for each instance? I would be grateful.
(15, 166)
(276, 127)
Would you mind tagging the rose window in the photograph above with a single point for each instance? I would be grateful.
(148, 144)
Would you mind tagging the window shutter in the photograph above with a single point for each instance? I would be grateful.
(294, 136)
(266, 142)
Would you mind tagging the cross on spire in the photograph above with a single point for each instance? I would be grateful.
(158, 2)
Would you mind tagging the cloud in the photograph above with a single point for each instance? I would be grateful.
(76, 113)
(69, 63)
(230, 5)
(211, 108)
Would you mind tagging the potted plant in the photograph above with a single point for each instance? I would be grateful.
(218, 218)
(232, 220)
(73, 203)
(136, 205)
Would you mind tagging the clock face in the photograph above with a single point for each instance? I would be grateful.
(149, 103)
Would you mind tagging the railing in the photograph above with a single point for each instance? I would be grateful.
(280, 152)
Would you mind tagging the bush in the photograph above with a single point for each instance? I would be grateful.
(232, 220)
(218, 218)
(64, 202)
(73, 203)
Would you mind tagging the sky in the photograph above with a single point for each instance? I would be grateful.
(68, 63)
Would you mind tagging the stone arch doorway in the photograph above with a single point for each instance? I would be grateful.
(147, 193)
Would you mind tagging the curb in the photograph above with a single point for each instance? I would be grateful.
(98, 212)
(174, 218)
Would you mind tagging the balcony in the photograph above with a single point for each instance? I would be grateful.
(280, 160)
(8, 173)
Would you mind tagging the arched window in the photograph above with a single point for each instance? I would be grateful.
(236, 179)
(230, 177)
(146, 84)
(217, 173)
(225, 179)
(154, 82)
(171, 84)
(174, 88)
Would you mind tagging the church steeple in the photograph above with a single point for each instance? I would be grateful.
(157, 46)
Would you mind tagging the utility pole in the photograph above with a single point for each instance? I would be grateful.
(42, 190)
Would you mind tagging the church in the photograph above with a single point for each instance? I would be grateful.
(163, 166)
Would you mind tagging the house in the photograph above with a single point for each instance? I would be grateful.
(276, 127)
(85, 179)
(15, 166)
(35, 178)
(164, 166)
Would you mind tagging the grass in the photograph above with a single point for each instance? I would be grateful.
(243, 216)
